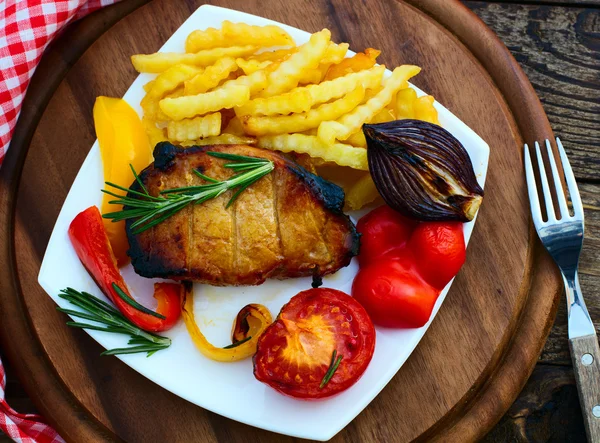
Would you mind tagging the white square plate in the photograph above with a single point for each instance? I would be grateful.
(230, 389)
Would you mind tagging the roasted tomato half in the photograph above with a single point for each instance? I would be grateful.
(295, 352)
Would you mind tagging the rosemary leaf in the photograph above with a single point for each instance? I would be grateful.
(109, 319)
(332, 368)
(205, 177)
(133, 350)
(237, 343)
(131, 302)
(148, 211)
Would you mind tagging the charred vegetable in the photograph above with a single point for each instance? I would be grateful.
(422, 171)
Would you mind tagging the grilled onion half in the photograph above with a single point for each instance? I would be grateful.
(422, 171)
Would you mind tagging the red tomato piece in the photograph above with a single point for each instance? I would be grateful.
(383, 231)
(394, 294)
(439, 249)
(295, 352)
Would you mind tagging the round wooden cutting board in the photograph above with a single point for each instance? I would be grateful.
(481, 347)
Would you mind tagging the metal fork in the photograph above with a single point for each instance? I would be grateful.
(562, 236)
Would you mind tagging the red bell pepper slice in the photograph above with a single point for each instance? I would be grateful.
(92, 246)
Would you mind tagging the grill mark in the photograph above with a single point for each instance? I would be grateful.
(322, 237)
(234, 209)
(276, 215)
(191, 211)
(323, 233)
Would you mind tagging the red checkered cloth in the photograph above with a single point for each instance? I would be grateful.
(26, 28)
(23, 428)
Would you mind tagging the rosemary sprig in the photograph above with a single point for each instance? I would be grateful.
(150, 211)
(332, 368)
(237, 343)
(109, 319)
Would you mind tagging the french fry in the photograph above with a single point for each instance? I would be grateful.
(325, 91)
(357, 139)
(159, 89)
(383, 116)
(179, 92)
(312, 131)
(318, 75)
(204, 39)
(161, 61)
(273, 56)
(286, 76)
(223, 139)
(232, 34)
(148, 86)
(356, 63)
(151, 108)
(269, 35)
(170, 79)
(424, 110)
(339, 153)
(304, 121)
(361, 193)
(192, 105)
(301, 99)
(155, 134)
(335, 53)
(255, 82)
(194, 128)
(353, 121)
(250, 66)
(405, 99)
(211, 76)
(313, 76)
(164, 83)
(372, 93)
(234, 127)
(297, 100)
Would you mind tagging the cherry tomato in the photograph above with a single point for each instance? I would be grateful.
(439, 249)
(383, 231)
(295, 352)
(394, 294)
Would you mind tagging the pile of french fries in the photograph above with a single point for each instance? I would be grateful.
(244, 84)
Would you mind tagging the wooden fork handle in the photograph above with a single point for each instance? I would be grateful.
(585, 353)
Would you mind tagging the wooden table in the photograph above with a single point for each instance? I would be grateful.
(557, 42)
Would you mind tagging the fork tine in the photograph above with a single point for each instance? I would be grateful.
(560, 193)
(571, 183)
(545, 186)
(534, 201)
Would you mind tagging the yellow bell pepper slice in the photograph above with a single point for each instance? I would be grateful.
(123, 141)
(249, 325)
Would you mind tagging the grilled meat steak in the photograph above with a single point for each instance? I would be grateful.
(288, 224)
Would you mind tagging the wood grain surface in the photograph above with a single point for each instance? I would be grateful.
(492, 17)
(559, 49)
(585, 354)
